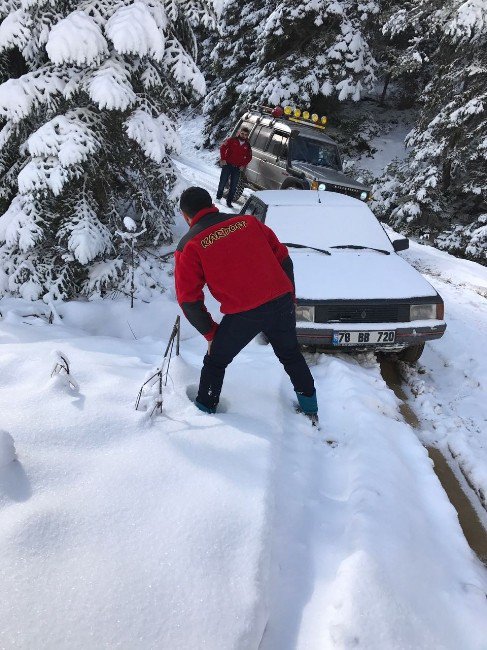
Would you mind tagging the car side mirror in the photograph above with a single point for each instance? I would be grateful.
(400, 244)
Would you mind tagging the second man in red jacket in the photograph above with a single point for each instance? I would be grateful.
(235, 155)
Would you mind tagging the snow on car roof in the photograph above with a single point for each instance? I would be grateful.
(306, 197)
(334, 222)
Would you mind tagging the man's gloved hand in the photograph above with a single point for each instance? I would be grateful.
(222, 163)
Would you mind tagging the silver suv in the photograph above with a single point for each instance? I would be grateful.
(290, 152)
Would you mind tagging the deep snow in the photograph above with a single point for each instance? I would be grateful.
(197, 531)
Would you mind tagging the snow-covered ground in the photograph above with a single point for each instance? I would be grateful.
(248, 529)
(450, 383)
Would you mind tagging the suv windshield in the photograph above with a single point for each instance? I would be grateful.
(314, 152)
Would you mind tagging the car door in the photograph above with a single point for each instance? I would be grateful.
(276, 160)
(252, 170)
(256, 168)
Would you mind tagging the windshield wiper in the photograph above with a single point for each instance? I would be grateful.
(320, 250)
(369, 248)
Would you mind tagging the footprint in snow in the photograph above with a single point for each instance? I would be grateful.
(192, 391)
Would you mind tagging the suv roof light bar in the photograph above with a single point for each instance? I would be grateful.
(293, 115)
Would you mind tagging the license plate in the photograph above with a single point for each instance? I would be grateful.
(354, 338)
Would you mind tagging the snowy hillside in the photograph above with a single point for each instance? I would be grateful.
(244, 530)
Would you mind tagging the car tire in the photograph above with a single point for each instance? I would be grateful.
(240, 187)
(294, 186)
(412, 354)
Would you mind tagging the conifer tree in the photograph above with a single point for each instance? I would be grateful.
(441, 189)
(290, 52)
(89, 92)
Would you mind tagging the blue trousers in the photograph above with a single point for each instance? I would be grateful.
(228, 172)
(277, 319)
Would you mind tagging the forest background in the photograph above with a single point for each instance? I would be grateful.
(92, 91)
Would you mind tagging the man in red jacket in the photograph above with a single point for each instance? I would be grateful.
(235, 155)
(250, 273)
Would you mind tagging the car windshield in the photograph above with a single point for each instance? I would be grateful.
(314, 152)
(331, 227)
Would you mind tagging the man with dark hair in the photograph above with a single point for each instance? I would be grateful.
(250, 273)
(235, 155)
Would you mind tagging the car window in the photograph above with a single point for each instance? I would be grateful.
(314, 152)
(255, 208)
(254, 134)
(248, 125)
(260, 210)
(276, 144)
(249, 207)
(262, 138)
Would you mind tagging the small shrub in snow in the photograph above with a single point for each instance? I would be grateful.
(87, 105)
(61, 372)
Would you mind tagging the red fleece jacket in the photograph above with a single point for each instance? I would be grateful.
(236, 153)
(238, 257)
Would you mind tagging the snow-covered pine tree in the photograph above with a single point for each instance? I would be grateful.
(290, 52)
(228, 56)
(87, 106)
(441, 189)
(402, 73)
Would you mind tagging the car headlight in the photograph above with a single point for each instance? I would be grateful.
(305, 313)
(363, 196)
(422, 312)
(322, 187)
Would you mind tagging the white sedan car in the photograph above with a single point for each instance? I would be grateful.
(352, 288)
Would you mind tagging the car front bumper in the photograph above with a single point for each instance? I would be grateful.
(407, 334)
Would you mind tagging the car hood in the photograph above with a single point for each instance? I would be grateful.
(359, 275)
(328, 175)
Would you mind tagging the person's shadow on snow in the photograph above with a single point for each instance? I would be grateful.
(14, 483)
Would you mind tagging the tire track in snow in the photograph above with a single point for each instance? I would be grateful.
(464, 497)
(359, 524)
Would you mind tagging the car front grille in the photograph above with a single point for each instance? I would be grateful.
(356, 313)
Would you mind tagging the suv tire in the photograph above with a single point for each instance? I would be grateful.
(240, 187)
(412, 354)
(292, 185)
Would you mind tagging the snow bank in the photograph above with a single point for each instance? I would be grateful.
(450, 390)
(137, 533)
(7, 448)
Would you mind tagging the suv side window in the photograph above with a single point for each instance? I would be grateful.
(278, 145)
(254, 134)
(244, 124)
(262, 138)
